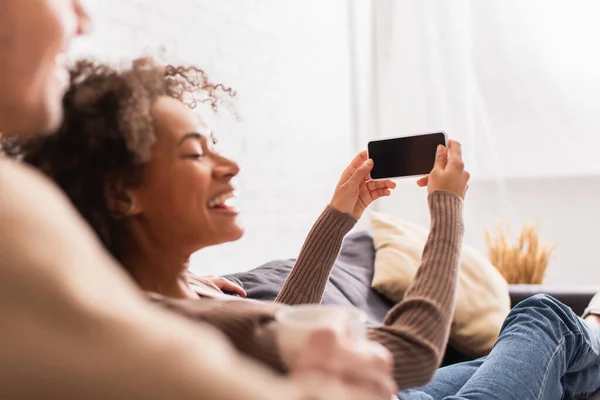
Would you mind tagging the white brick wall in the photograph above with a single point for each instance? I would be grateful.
(288, 60)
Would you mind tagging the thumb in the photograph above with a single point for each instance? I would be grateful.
(441, 158)
(362, 172)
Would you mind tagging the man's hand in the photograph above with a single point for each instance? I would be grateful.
(355, 191)
(332, 366)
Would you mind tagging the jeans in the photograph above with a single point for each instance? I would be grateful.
(544, 352)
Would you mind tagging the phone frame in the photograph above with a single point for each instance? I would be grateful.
(402, 137)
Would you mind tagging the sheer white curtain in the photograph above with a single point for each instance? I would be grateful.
(518, 83)
(516, 80)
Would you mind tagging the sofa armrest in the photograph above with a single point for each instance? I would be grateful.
(576, 297)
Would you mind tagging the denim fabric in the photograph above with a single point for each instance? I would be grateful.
(544, 352)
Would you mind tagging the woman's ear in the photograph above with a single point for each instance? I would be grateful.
(121, 202)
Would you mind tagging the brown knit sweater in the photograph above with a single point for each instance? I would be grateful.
(415, 330)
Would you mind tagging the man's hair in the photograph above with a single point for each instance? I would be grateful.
(107, 134)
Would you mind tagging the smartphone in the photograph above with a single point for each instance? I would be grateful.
(406, 156)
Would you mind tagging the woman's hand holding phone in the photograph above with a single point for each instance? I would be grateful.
(448, 173)
(355, 190)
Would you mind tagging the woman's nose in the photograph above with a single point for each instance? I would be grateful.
(226, 168)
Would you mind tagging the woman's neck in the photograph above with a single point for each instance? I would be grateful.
(160, 273)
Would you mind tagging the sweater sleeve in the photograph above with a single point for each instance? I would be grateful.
(307, 280)
(416, 330)
(248, 324)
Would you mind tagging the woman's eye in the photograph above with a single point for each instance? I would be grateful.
(195, 156)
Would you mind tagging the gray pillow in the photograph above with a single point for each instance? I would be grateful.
(349, 283)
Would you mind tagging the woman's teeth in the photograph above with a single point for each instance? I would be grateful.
(220, 200)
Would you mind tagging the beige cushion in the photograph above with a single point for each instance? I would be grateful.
(594, 307)
(482, 301)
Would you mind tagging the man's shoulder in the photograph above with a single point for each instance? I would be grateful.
(18, 181)
(27, 195)
(34, 211)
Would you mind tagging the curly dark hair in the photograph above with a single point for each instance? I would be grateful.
(107, 135)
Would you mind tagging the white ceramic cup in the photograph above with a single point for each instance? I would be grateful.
(297, 321)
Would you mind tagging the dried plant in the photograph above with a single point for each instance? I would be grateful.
(523, 262)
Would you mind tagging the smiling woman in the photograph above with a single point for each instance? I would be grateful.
(188, 177)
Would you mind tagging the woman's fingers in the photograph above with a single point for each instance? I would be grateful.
(357, 161)
(378, 189)
(355, 164)
(456, 154)
(387, 184)
(441, 158)
(362, 173)
(360, 158)
(378, 193)
(228, 286)
(422, 182)
(452, 178)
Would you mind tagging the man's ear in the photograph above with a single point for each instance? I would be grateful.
(121, 202)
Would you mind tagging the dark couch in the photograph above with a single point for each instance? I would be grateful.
(575, 297)
(350, 282)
